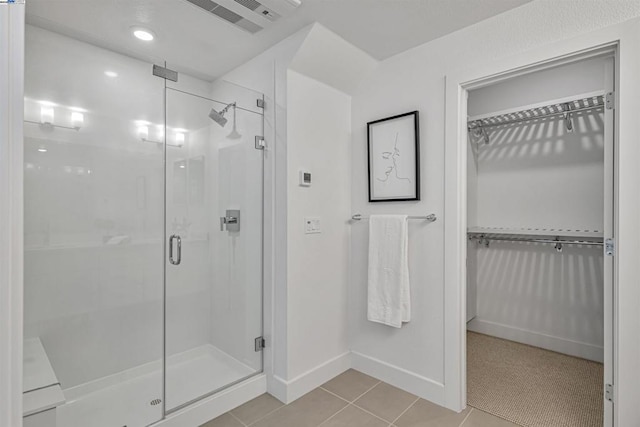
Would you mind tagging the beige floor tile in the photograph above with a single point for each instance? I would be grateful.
(224, 420)
(427, 414)
(257, 408)
(350, 384)
(354, 417)
(308, 411)
(386, 401)
(477, 418)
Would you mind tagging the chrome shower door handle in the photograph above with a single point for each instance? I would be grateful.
(179, 243)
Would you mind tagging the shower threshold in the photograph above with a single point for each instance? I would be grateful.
(133, 398)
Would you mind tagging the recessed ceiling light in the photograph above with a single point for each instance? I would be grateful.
(143, 34)
(111, 74)
(42, 150)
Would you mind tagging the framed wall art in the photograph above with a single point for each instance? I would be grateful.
(394, 158)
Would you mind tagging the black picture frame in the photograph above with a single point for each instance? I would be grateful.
(387, 183)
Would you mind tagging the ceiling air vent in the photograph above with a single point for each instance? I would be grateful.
(249, 15)
(227, 15)
(259, 8)
(249, 4)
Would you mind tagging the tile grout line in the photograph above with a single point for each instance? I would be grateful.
(325, 421)
(267, 414)
(354, 404)
(368, 390)
(371, 413)
(237, 419)
(335, 395)
(403, 412)
(356, 398)
(467, 417)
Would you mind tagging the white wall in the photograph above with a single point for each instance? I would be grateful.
(267, 73)
(319, 136)
(412, 357)
(312, 69)
(558, 82)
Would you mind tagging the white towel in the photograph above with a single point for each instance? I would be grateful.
(388, 299)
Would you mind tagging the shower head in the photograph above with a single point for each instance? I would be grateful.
(218, 117)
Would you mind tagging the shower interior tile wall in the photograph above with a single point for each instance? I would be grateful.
(81, 292)
(538, 175)
(102, 289)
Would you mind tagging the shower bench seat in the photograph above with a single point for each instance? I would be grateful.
(42, 392)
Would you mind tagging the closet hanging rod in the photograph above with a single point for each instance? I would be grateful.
(430, 217)
(485, 238)
(557, 109)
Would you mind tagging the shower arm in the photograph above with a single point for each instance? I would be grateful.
(226, 109)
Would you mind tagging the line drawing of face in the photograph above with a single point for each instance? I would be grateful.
(392, 170)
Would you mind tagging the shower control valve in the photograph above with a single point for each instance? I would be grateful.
(231, 220)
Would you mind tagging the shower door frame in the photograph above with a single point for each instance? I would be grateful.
(12, 22)
(217, 402)
(625, 221)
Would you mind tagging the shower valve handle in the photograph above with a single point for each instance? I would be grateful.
(224, 220)
(231, 221)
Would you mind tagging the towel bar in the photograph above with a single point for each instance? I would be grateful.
(430, 217)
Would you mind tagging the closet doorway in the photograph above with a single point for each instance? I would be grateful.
(540, 204)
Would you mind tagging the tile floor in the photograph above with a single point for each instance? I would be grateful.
(353, 399)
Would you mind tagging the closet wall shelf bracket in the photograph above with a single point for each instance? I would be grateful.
(609, 247)
(610, 100)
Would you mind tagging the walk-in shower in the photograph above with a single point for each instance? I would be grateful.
(132, 323)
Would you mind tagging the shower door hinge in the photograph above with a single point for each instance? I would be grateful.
(609, 247)
(608, 392)
(259, 344)
(260, 102)
(165, 73)
(610, 100)
(260, 142)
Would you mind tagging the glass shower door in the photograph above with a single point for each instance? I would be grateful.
(94, 231)
(214, 238)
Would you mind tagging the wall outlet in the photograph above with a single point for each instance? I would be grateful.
(312, 225)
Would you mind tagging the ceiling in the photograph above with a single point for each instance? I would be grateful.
(193, 41)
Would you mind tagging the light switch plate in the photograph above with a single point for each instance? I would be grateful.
(312, 225)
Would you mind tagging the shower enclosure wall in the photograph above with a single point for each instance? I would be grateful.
(143, 233)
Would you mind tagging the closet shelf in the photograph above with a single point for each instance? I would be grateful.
(591, 235)
(557, 107)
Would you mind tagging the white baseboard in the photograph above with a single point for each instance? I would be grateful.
(549, 342)
(216, 405)
(288, 391)
(419, 385)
